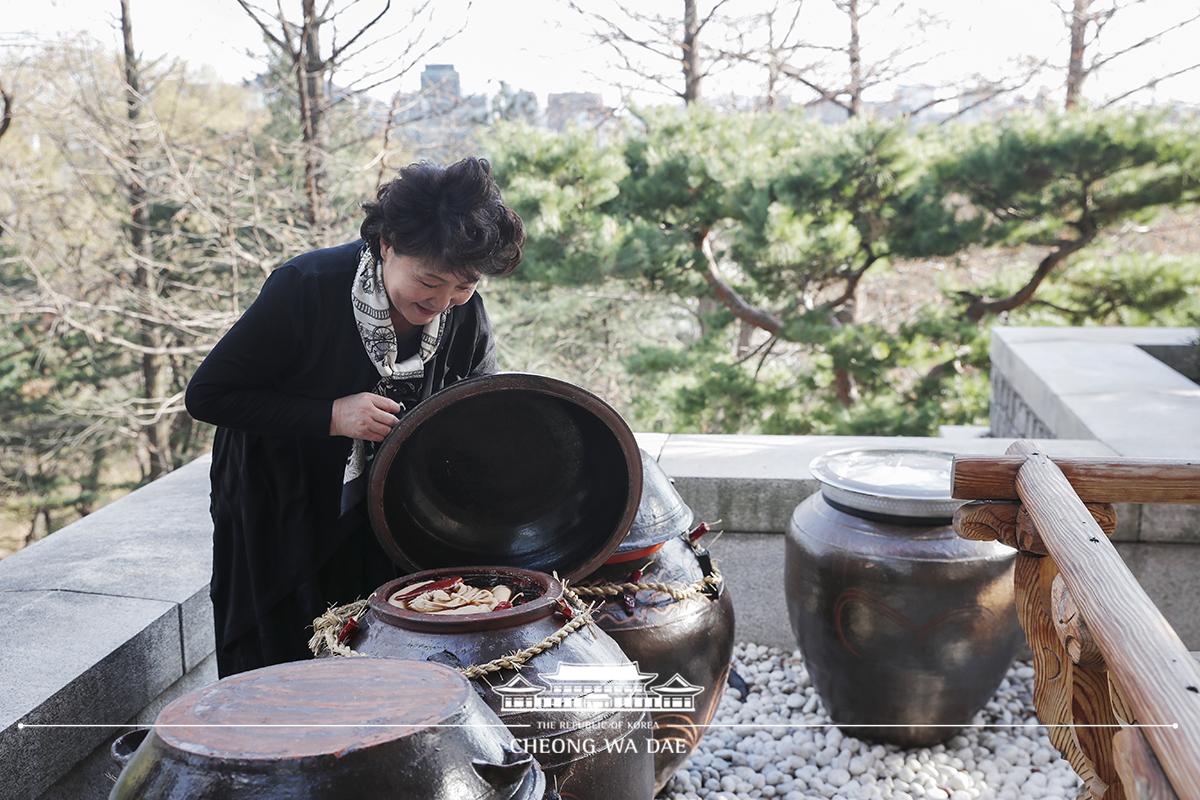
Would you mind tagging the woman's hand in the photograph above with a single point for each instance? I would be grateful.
(364, 416)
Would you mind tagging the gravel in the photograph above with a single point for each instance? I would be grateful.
(820, 762)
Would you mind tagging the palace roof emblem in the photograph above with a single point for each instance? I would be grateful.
(597, 686)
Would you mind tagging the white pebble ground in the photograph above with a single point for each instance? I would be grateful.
(820, 762)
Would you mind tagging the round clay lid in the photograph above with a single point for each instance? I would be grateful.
(510, 470)
(262, 714)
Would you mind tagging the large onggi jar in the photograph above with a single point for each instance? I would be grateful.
(687, 641)
(592, 745)
(906, 628)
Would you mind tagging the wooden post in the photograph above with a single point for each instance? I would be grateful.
(1091, 703)
(1156, 676)
(1053, 680)
(1140, 771)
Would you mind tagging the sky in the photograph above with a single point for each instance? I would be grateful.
(544, 46)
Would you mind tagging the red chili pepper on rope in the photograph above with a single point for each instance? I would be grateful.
(565, 610)
(629, 599)
(698, 532)
(349, 627)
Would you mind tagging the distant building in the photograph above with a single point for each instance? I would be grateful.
(515, 105)
(438, 121)
(441, 79)
(564, 109)
(827, 112)
(908, 99)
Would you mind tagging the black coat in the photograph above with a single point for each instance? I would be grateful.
(281, 549)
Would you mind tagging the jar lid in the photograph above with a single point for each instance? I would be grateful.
(510, 470)
(661, 515)
(390, 701)
(892, 482)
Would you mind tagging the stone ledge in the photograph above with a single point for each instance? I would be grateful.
(119, 610)
(84, 659)
(652, 443)
(1168, 573)
(1053, 333)
(752, 563)
(93, 777)
(143, 545)
(1103, 384)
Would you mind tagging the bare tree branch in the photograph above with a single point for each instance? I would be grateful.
(253, 12)
(399, 66)
(1100, 61)
(1150, 84)
(841, 86)
(1085, 22)
(982, 93)
(674, 41)
(831, 95)
(712, 13)
(7, 114)
(334, 55)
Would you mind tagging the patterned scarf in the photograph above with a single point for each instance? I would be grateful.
(372, 314)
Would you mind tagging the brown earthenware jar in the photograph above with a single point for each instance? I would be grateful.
(404, 729)
(686, 641)
(906, 628)
(590, 745)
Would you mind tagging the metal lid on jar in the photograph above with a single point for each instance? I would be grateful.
(661, 515)
(888, 482)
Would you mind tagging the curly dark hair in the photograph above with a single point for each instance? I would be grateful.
(451, 216)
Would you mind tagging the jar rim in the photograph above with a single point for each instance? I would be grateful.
(550, 590)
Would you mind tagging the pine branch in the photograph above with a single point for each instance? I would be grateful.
(981, 307)
(729, 297)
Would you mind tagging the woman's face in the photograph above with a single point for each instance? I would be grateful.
(418, 291)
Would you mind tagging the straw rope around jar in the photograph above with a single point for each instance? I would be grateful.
(676, 591)
(328, 627)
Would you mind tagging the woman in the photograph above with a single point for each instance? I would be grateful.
(338, 344)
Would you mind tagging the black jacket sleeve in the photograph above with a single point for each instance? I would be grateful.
(237, 385)
(483, 359)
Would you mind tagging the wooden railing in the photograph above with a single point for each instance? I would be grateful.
(1115, 686)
